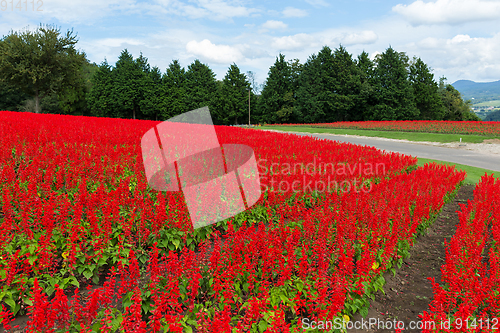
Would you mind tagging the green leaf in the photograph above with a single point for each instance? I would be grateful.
(16, 309)
(262, 325)
(146, 307)
(88, 274)
(10, 302)
(126, 302)
(74, 281)
(143, 258)
(116, 322)
(32, 259)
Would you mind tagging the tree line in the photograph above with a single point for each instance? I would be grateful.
(41, 71)
(333, 86)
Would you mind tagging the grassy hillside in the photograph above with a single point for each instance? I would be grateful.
(478, 91)
(494, 103)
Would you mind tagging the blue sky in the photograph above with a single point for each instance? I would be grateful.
(458, 39)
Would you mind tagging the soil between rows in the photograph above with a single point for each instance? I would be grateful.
(409, 292)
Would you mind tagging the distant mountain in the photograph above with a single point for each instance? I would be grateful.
(480, 91)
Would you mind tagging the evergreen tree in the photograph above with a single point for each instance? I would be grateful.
(142, 63)
(345, 87)
(232, 101)
(392, 89)
(365, 101)
(217, 105)
(101, 100)
(277, 98)
(425, 90)
(153, 93)
(130, 78)
(200, 85)
(296, 69)
(174, 101)
(314, 99)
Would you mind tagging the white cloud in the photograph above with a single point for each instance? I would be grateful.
(364, 37)
(118, 42)
(449, 11)
(463, 56)
(212, 9)
(217, 53)
(274, 25)
(318, 3)
(85, 11)
(295, 42)
(334, 37)
(294, 12)
(429, 43)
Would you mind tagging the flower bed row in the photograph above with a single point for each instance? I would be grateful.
(428, 126)
(469, 298)
(76, 212)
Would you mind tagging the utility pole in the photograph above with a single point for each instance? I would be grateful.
(249, 105)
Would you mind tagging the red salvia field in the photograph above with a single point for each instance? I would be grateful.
(87, 246)
(469, 301)
(491, 128)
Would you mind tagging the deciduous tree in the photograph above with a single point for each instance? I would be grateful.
(456, 108)
(40, 62)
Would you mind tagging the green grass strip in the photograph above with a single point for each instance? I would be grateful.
(473, 173)
(410, 136)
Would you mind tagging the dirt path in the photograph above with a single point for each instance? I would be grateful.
(409, 292)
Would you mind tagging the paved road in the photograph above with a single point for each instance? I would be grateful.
(436, 153)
